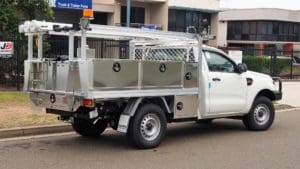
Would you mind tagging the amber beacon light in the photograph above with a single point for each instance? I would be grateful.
(88, 13)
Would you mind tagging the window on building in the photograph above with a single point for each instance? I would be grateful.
(245, 30)
(179, 20)
(296, 29)
(196, 19)
(172, 20)
(269, 28)
(263, 31)
(291, 28)
(230, 30)
(100, 18)
(262, 28)
(275, 28)
(189, 18)
(252, 35)
(137, 16)
(205, 21)
(238, 30)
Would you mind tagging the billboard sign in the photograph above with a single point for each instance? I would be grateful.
(71, 4)
(6, 49)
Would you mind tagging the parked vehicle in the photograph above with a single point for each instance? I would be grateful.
(169, 77)
(296, 61)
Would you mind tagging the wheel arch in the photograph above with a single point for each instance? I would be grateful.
(134, 104)
(253, 95)
(266, 93)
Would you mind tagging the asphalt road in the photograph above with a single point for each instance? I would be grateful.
(225, 144)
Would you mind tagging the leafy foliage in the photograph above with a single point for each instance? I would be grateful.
(263, 64)
(12, 12)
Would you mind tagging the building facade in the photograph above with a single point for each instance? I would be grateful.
(200, 14)
(113, 12)
(172, 15)
(259, 29)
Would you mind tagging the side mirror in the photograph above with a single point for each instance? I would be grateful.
(242, 67)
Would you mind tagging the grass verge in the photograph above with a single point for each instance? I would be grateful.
(16, 110)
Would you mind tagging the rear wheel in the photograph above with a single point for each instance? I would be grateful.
(261, 115)
(88, 128)
(148, 127)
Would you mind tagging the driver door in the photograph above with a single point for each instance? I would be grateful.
(227, 87)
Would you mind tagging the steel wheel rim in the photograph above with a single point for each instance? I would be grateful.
(261, 114)
(150, 127)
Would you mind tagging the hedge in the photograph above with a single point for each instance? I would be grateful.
(262, 64)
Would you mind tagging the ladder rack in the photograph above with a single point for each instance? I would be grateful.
(84, 30)
(107, 32)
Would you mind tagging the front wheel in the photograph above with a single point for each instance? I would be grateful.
(148, 127)
(261, 115)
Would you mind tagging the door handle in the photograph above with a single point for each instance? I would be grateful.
(216, 79)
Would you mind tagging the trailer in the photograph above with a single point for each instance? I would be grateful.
(168, 77)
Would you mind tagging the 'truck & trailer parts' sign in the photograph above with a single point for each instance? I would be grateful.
(71, 4)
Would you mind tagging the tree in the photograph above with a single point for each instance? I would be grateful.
(12, 12)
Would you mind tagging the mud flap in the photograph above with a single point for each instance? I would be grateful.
(123, 123)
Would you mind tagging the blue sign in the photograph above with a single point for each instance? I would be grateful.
(150, 27)
(71, 4)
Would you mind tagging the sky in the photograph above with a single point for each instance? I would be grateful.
(283, 4)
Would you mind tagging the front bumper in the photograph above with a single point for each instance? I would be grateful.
(278, 94)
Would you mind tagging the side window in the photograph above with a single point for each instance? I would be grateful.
(219, 63)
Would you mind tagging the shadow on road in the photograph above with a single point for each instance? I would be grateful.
(114, 141)
(217, 127)
(175, 133)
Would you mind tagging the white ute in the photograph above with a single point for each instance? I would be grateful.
(167, 77)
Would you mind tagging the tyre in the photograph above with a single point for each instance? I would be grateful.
(148, 127)
(87, 128)
(261, 115)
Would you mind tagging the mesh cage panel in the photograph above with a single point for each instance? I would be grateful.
(164, 54)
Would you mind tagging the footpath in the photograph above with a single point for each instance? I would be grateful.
(291, 94)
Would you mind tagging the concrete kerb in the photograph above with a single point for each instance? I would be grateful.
(290, 80)
(13, 132)
(60, 128)
(35, 130)
(287, 110)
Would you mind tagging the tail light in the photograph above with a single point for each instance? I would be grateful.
(88, 102)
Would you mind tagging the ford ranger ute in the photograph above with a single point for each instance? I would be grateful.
(167, 77)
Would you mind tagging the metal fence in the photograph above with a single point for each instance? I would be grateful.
(283, 63)
(12, 69)
(272, 61)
